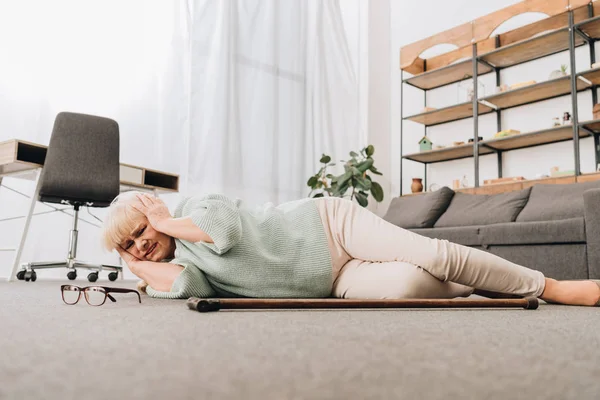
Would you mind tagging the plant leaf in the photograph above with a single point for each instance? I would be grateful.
(370, 150)
(318, 195)
(353, 154)
(325, 159)
(377, 191)
(365, 165)
(341, 180)
(312, 181)
(362, 199)
(363, 183)
(375, 171)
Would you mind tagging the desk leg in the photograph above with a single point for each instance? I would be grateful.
(17, 258)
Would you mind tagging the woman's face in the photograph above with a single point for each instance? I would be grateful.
(148, 244)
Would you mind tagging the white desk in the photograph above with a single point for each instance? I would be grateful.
(22, 159)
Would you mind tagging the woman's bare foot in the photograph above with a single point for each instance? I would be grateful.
(577, 293)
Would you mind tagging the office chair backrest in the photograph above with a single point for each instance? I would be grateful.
(82, 163)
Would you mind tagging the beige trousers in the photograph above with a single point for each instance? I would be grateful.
(374, 259)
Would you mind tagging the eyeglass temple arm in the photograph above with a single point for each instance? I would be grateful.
(121, 290)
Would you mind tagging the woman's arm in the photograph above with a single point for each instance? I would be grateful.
(183, 228)
(159, 275)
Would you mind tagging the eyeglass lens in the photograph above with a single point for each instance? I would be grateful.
(70, 294)
(95, 296)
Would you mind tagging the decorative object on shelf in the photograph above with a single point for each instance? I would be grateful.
(479, 139)
(596, 111)
(595, 65)
(433, 187)
(503, 180)
(505, 133)
(354, 180)
(558, 73)
(522, 84)
(438, 147)
(464, 182)
(465, 89)
(556, 121)
(457, 143)
(416, 186)
(554, 169)
(566, 118)
(456, 184)
(425, 144)
(562, 173)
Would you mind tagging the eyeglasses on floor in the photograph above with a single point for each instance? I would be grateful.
(94, 295)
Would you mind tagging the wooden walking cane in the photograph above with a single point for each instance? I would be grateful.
(207, 305)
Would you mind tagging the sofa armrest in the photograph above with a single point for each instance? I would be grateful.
(591, 211)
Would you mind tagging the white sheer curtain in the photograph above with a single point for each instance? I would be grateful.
(236, 96)
(272, 86)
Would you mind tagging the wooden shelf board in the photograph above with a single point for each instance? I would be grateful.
(545, 136)
(448, 114)
(593, 125)
(446, 154)
(536, 92)
(530, 49)
(590, 27)
(446, 75)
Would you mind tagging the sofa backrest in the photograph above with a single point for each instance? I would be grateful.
(549, 202)
(483, 209)
(420, 211)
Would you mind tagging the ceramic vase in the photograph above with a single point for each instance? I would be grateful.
(417, 185)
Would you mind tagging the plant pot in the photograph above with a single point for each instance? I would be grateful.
(557, 74)
(416, 185)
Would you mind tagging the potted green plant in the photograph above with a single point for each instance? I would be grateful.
(354, 183)
(559, 73)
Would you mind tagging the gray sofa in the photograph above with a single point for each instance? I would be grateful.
(554, 228)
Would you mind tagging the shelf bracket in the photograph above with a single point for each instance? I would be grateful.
(487, 63)
(585, 37)
(584, 79)
(588, 130)
(487, 103)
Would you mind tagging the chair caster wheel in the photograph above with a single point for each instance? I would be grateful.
(29, 276)
(72, 275)
(21, 275)
(93, 277)
(113, 276)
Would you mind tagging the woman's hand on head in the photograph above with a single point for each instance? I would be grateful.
(154, 209)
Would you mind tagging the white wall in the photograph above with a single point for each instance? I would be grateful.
(412, 21)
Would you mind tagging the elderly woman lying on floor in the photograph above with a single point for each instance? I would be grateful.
(310, 248)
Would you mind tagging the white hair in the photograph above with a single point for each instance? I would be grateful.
(121, 219)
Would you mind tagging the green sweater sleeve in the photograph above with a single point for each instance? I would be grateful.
(219, 217)
(191, 282)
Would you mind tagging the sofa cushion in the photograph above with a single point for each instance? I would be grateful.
(536, 232)
(551, 202)
(465, 235)
(483, 209)
(419, 211)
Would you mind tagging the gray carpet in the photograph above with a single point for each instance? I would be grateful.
(161, 350)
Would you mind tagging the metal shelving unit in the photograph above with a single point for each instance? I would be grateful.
(564, 39)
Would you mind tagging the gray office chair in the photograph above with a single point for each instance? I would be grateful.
(81, 169)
